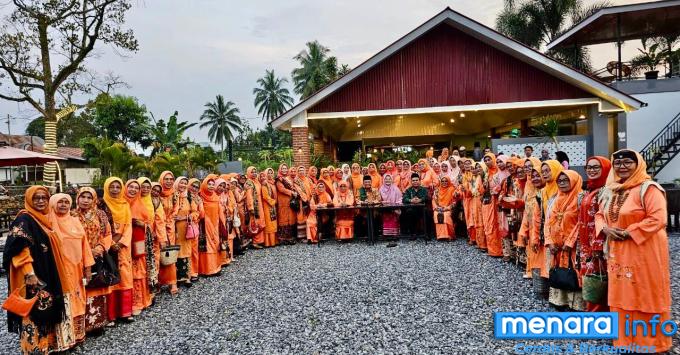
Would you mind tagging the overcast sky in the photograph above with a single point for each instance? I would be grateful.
(190, 51)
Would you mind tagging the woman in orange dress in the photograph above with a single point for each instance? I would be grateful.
(442, 205)
(33, 256)
(403, 179)
(194, 188)
(98, 231)
(167, 274)
(269, 209)
(286, 217)
(344, 219)
(120, 299)
(141, 220)
(312, 174)
(355, 177)
(428, 179)
(376, 179)
(77, 258)
(467, 180)
(209, 259)
(187, 213)
(550, 169)
(561, 236)
(592, 244)
(531, 220)
(303, 189)
(490, 208)
(152, 243)
(159, 228)
(254, 205)
(327, 179)
(633, 218)
(320, 198)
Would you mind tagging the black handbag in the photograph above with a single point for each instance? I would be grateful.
(104, 272)
(295, 204)
(564, 278)
(440, 217)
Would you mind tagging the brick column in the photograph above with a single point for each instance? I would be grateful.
(300, 146)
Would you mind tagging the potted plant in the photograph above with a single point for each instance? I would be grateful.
(648, 59)
(549, 128)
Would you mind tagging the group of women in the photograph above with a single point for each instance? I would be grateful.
(170, 232)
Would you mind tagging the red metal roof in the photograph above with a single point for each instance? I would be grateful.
(447, 67)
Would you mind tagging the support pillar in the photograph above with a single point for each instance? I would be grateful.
(598, 128)
(300, 135)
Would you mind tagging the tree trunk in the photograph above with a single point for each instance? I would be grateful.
(50, 147)
(231, 156)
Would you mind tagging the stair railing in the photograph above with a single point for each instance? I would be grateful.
(661, 143)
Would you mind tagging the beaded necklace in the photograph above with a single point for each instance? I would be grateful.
(615, 206)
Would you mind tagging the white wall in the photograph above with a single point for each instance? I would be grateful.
(80, 175)
(642, 125)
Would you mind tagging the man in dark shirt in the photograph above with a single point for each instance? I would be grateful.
(413, 215)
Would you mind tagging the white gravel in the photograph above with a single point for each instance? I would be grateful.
(416, 298)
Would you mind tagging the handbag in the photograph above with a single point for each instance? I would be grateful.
(486, 198)
(192, 231)
(295, 204)
(440, 217)
(104, 272)
(564, 278)
(138, 241)
(19, 305)
(169, 253)
(595, 287)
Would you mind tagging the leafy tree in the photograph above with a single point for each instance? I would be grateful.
(113, 158)
(539, 22)
(317, 69)
(123, 119)
(224, 122)
(271, 98)
(43, 49)
(197, 158)
(170, 136)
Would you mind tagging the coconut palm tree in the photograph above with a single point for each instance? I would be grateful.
(271, 98)
(224, 122)
(317, 68)
(538, 22)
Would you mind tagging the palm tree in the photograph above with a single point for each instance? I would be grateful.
(316, 69)
(271, 98)
(538, 22)
(224, 122)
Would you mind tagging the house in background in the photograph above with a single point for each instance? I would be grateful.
(453, 82)
(654, 130)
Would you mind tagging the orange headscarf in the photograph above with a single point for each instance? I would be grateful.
(137, 208)
(66, 226)
(445, 194)
(146, 200)
(207, 195)
(328, 181)
(376, 179)
(119, 207)
(491, 170)
(551, 188)
(175, 186)
(638, 176)
(40, 217)
(565, 200)
(166, 192)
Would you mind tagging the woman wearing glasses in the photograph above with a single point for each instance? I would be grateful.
(633, 221)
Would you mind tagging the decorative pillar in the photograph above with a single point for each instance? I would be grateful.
(300, 134)
(598, 128)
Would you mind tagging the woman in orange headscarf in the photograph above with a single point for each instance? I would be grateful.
(209, 259)
(511, 202)
(376, 179)
(531, 220)
(468, 180)
(550, 169)
(592, 244)
(194, 188)
(304, 190)
(312, 174)
(77, 258)
(327, 179)
(320, 198)
(33, 255)
(286, 217)
(159, 229)
(344, 219)
(490, 207)
(186, 217)
(633, 218)
(167, 274)
(561, 236)
(428, 178)
(356, 178)
(254, 204)
(152, 245)
(403, 179)
(120, 299)
(269, 208)
(141, 220)
(442, 205)
(98, 233)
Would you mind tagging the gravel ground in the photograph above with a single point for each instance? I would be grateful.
(341, 298)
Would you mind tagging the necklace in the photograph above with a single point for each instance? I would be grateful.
(615, 206)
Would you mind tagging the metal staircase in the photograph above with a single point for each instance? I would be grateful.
(663, 147)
